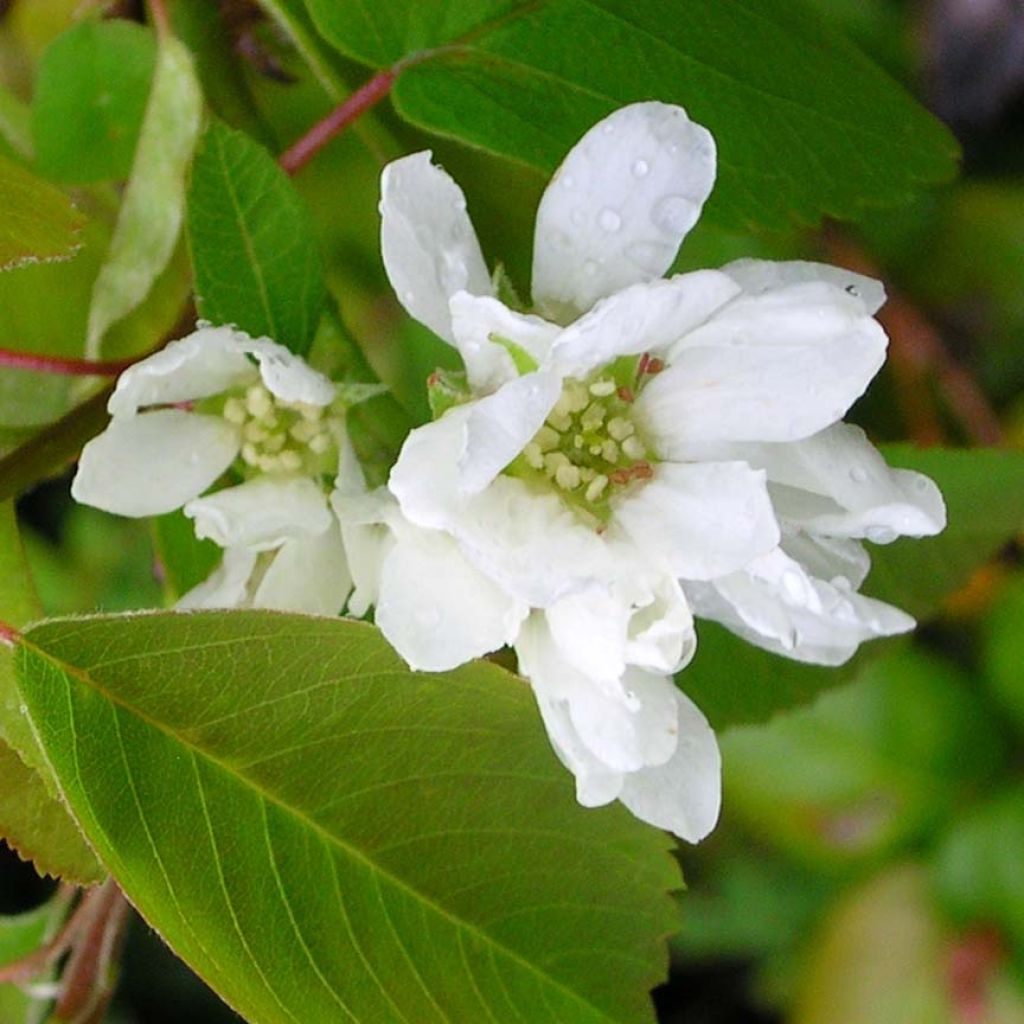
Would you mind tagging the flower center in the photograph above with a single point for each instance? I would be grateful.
(282, 437)
(589, 447)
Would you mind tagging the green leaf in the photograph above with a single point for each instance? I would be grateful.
(805, 124)
(89, 100)
(15, 123)
(151, 214)
(735, 683)
(39, 224)
(32, 819)
(1003, 649)
(326, 836)
(254, 253)
(185, 560)
(984, 492)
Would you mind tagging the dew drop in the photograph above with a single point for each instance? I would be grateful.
(608, 128)
(609, 220)
(880, 534)
(590, 268)
(459, 204)
(568, 181)
(23, 709)
(640, 168)
(408, 297)
(674, 214)
(858, 475)
(651, 257)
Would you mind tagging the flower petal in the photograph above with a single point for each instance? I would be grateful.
(759, 276)
(776, 605)
(435, 608)
(307, 575)
(288, 377)
(153, 463)
(477, 320)
(660, 636)
(774, 367)
(227, 586)
(262, 513)
(428, 244)
(644, 317)
(837, 560)
(500, 426)
(683, 795)
(700, 520)
(207, 362)
(616, 210)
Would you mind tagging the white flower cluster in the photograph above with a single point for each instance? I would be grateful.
(635, 451)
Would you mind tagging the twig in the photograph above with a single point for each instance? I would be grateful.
(66, 366)
(19, 972)
(302, 151)
(11, 637)
(160, 18)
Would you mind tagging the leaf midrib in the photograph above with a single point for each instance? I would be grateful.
(73, 672)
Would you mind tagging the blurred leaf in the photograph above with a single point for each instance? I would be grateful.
(865, 769)
(184, 559)
(89, 99)
(39, 224)
(1003, 649)
(879, 958)
(254, 255)
(222, 760)
(977, 869)
(153, 207)
(15, 123)
(984, 492)
(805, 124)
(32, 819)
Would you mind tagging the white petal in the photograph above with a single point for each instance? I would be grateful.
(428, 244)
(226, 586)
(262, 513)
(436, 609)
(837, 560)
(616, 210)
(307, 575)
(683, 795)
(477, 320)
(589, 629)
(700, 520)
(642, 318)
(775, 604)
(660, 635)
(288, 377)
(500, 426)
(207, 362)
(774, 367)
(757, 276)
(153, 463)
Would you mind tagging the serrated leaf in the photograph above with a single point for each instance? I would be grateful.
(805, 124)
(735, 683)
(89, 99)
(326, 836)
(153, 206)
(32, 819)
(39, 223)
(254, 253)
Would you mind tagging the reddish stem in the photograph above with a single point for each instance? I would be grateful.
(67, 366)
(160, 17)
(972, 961)
(302, 151)
(9, 635)
(28, 967)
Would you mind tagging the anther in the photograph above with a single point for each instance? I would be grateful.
(596, 488)
(234, 411)
(655, 366)
(620, 428)
(567, 477)
(602, 388)
(633, 448)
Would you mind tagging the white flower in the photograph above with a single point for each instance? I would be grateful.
(184, 416)
(609, 448)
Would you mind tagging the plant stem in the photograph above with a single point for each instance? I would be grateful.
(19, 972)
(67, 366)
(372, 92)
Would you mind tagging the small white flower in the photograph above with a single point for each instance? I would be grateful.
(183, 417)
(608, 449)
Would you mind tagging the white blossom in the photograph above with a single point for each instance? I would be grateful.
(216, 401)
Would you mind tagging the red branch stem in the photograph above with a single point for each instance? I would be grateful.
(65, 365)
(9, 635)
(302, 151)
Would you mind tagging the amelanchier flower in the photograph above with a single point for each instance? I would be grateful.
(625, 444)
(215, 401)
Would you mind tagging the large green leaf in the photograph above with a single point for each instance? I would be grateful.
(805, 124)
(32, 819)
(253, 249)
(328, 837)
(734, 682)
(39, 223)
(153, 207)
(89, 99)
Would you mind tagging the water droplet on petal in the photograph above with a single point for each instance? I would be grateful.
(608, 128)
(609, 220)
(23, 708)
(674, 214)
(858, 474)
(590, 268)
(640, 168)
(880, 534)
(408, 297)
(568, 181)
(651, 257)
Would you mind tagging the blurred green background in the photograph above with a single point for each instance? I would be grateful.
(869, 867)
